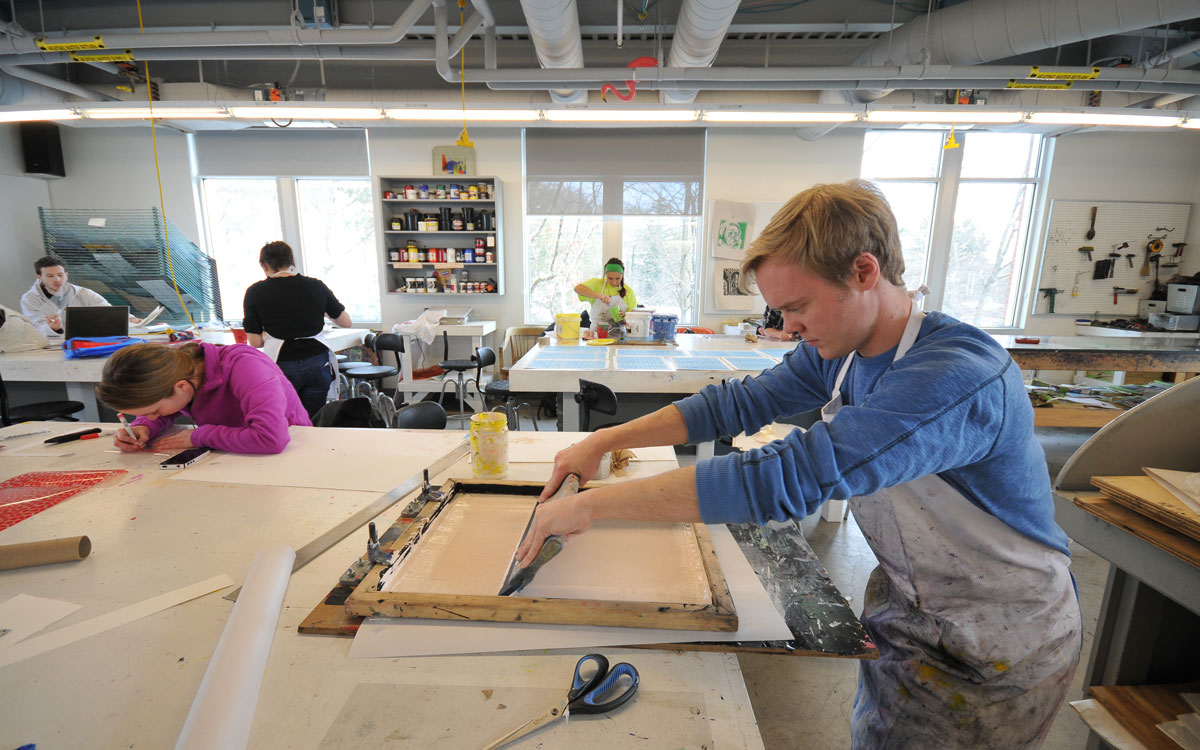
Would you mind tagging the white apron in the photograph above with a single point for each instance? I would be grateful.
(978, 626)
(272, 347)
(600, 310)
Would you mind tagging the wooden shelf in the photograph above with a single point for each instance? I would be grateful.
(438, 265)
(1070, 416)
(438, 200)
(456, 232)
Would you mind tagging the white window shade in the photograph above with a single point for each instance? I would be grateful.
(332, 153)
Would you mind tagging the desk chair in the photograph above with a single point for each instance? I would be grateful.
(350, 412)
(595, 397)
(484, 356)
(423, 415)
(518, 340)
(37, 412)
(394, 343)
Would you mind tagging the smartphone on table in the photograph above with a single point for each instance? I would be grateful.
(184, 459)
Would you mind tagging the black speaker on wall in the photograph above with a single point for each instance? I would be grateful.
(43, 149)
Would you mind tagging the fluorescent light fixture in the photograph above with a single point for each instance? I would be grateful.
(36, 115)
(271, 112)
(160, 113)
(1102, 118)
(472, 115)
(965, 114)
(620, 115)
(783, 117)
(1191, 122)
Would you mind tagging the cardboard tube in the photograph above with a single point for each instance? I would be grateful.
(43, 553)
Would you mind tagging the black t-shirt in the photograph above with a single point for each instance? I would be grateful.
(290, 308)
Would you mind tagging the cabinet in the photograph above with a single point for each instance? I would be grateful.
(441, 235)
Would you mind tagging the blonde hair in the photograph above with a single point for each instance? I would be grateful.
(143, 374)
(823, 229)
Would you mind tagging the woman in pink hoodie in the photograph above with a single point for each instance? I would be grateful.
(238, 398)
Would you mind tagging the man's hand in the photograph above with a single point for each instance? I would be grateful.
(126, 444)
(580, 458)
(565, 516)
(55, 322)
(176, 441)
(774, 334)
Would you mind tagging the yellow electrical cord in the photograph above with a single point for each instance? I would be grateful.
(158, 175)
(464, 138)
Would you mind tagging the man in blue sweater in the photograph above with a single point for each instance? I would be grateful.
(927, 431)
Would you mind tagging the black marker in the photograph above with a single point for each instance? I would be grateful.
(71, 436)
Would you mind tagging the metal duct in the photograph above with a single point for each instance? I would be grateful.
(57, 84)
(699, 31)
(980, 31)
(554, 30)
(19, 91)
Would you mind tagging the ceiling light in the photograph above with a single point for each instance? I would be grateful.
(784, 117)
(966, 114)
(471, 115)
(1102, 118)
(34, 115)
(1191, 122)
(271, 112)
(159, 113)
(621, 115)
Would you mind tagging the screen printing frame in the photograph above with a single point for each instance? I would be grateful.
(367, 600)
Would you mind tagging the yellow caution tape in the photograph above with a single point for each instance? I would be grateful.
(1015, 84)
(96, 43)
(1063, 75)
(126, 56)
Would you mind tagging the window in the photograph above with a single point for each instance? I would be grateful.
(634, 195)
(963, 214)
(328, 222)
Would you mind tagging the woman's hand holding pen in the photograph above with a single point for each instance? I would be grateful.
(127, 444)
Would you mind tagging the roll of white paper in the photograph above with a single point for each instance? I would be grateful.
(223, 711)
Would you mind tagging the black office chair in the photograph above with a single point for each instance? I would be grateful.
(423, 415)
(350, 412)
(37, 412)
(484, 356)
(595, 397)
(394, 343)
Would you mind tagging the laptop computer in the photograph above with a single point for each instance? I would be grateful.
(88, 322)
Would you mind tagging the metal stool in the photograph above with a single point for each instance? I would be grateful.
(483, 357)
(363, 380)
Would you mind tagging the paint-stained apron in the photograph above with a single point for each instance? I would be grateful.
(978, 626)
(272, 346)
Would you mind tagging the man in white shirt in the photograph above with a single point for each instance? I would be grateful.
(51, 293)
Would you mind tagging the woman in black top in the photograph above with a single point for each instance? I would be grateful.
(284, 315)
(772, 326)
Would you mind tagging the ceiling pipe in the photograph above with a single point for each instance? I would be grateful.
(407, 51)
(554, 30)
(984, 30)
(20, 91)
(699, 31)
(57, 84)
(1169, 55)
(289, 35)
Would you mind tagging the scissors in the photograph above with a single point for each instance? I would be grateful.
(601, 692)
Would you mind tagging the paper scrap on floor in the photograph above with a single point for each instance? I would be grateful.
(1184, 485)
(23, 615)
(758, 620)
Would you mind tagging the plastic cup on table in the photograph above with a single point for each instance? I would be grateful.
(239, 335)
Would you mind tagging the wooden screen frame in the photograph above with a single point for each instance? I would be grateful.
(366, 600)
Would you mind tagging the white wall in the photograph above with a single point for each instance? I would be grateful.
(21, 238)
(1148, 167)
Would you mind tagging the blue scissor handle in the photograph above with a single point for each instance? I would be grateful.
(611, 693)
(580, 684)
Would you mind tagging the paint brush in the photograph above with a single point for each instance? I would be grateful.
(518, 578)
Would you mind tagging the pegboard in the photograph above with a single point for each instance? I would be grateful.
(1116, 222)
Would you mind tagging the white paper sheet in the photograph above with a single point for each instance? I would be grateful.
(1180, 734)
(77, 632)
(367, 460)
(223, 711)
(758, 620)
(1102, 722)
(1178, 483)
(23, 615)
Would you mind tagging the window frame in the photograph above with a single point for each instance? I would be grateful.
(288, 198)
(941, 230)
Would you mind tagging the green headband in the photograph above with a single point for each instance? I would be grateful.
(617, 267)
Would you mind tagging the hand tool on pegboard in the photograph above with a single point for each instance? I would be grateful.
(1119, 290)
(1177, 256)
(1091, 232)
(1087, 250)
(1153, 247)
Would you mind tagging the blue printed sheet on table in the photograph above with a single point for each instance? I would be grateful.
(724, 353)
(641, 351)
(562, 363)
(573, 352)
(642, 363)
(700, 363)
(775, 353)
(753, 364)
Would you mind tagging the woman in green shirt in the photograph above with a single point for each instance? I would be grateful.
(609, 295)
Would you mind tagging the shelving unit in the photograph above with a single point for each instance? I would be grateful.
(432, 275)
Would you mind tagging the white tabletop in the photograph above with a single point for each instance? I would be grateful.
(133, 685)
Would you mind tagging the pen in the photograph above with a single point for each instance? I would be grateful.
(128, 429)
(71, 436)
